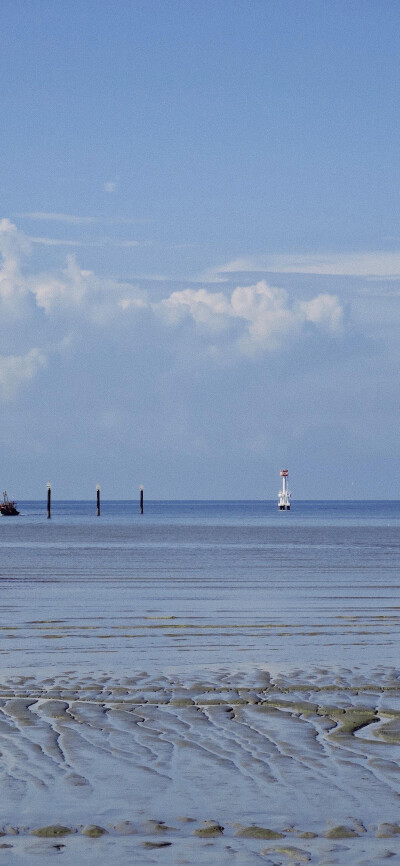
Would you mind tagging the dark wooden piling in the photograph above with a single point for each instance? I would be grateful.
(48, 500)
(141, 499)
(98, 499)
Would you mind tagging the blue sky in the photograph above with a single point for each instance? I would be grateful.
(200, 248)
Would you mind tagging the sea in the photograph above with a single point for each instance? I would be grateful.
(197, 583)
(204, 683)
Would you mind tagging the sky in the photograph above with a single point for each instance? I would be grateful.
(199, 248)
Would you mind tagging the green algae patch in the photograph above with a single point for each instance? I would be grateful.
(267, 707)
(342, 831)
(181, 702)
(302, 707)
(255, 832)
(297, 854)
(348, 720)
(389, 732)
(308, 835)
(216, 702)
(212, 829)
(94, 831)
(330, 711)
(354, 720)
(53, 831)
(387, 830)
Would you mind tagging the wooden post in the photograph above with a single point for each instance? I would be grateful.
(48, 500)
(98, 499)
(141, 499)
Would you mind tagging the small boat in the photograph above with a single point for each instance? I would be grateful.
(8, 506)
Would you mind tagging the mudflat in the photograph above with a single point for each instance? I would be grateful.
(232, 765)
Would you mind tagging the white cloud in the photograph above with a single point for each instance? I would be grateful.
(110, 186)
(57, 242)
(265, 312)
(362, 264)
(67, 289)
(61, 217)
(13, 291)
(13, 244)
(324, 310)
(101, 242)
(206, 308)
(74, 219)
(82, 295)
(17, 369)
(253, 319)
(132, 303)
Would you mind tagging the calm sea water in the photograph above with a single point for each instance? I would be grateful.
(195, 584)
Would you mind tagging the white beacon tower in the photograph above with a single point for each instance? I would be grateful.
(284, 494)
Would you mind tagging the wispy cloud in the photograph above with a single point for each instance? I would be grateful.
(59, 242)
(75, 219)
(101, 242)
(110, 186)
(60, 218)
(362, 264)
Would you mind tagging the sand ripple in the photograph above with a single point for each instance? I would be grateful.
(250, 756)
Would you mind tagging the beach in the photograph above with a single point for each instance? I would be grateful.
(200, 684)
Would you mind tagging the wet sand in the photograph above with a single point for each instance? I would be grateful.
(241, 767)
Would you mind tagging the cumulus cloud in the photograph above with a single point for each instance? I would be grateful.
(13, 290)
(265, 313)
(66, 289)
(324, 310)
(13, 244)
(18, 291)
(132, 304)
(252, 319)
(17, 369)
(207, 308)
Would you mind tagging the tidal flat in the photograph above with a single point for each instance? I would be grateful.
(228, 767)
(186, 690)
